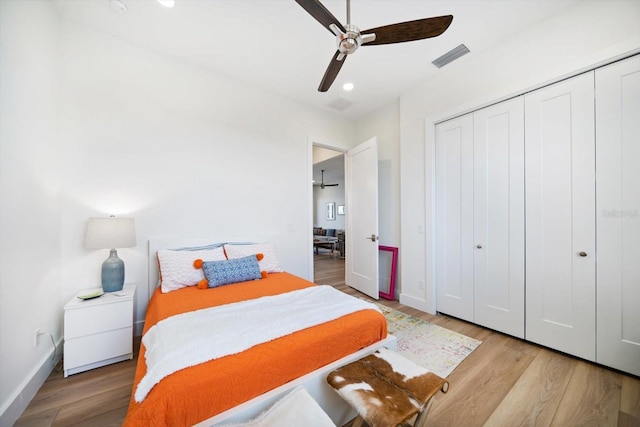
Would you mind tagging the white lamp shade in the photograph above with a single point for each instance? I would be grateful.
(110, 233)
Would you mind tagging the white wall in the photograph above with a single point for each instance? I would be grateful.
(583, 35)
(29, 201)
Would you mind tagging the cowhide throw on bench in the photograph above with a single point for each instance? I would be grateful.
(386, 389)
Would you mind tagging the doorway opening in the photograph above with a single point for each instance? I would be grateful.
(329, 212)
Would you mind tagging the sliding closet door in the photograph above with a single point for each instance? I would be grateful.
(499, 217)
(454, 217)
(560, 216)
(618, 192)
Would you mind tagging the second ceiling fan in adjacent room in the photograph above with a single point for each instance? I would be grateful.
(322, 184)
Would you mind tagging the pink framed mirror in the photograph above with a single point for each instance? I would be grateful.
(387, 275)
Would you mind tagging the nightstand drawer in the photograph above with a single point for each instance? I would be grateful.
(93, 348)
(95, 319)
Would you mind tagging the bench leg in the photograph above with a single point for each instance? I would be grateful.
(421, 420)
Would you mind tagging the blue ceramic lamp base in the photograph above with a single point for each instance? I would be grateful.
(112, 273)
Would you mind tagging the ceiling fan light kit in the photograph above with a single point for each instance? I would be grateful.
(349, 37)
(350, 40)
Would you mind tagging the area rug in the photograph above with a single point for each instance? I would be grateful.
(431, 346)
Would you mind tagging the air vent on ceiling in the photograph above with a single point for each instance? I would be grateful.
(451, 56)
(340, 103)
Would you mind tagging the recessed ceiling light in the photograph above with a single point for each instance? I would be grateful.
(348, 86)
(167, 3)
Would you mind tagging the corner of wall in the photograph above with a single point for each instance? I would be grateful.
(23, 395)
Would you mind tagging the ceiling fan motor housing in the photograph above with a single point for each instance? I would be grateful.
(349, 41)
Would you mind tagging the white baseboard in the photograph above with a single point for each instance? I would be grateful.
(413, 302)
(21, 398)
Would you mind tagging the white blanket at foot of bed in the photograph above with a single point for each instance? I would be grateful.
(198, 336)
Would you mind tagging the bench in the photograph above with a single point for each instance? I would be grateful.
(387, 389)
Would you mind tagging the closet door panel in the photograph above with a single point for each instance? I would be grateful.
(499, 217)
(560, 216)
(454, 217)
(618, 215)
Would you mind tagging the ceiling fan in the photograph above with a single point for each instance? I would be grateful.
(349, 37)
(322, 185)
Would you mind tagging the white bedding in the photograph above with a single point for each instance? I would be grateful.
(196, 337)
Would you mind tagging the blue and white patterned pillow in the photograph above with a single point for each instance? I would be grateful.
(236, 270)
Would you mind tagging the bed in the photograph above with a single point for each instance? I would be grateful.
(238, 386)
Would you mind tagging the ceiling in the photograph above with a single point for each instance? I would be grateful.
(277, 46)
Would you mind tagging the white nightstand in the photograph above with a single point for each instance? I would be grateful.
(99, 331)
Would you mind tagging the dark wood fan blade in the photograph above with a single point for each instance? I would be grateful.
(332, 72)
(320, 13)
(409, 31)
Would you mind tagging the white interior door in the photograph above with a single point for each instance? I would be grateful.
(618, 195)
(498, 210)
(560, 216)
(361, 181)
(454, 217)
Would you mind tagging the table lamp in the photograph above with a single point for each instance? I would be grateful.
(111, 233)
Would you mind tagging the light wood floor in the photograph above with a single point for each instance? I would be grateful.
(504, 382)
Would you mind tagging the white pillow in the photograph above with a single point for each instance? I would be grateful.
(177, 270)
(269, 263)
(295, 409)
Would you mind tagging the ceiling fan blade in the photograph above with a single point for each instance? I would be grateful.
(320, 13)
(410, 30)
(332, 71)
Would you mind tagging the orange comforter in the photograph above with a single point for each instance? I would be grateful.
(202, 391)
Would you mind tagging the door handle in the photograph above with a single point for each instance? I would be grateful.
(582, 254)
(373, 238)
(479, 246)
